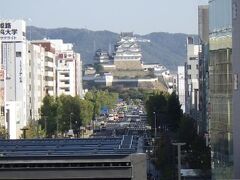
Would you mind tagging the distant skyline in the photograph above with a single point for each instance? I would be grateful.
(138, 16)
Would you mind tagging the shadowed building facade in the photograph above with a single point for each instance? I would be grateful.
(220, 88)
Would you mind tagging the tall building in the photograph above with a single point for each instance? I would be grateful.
(192, 84)
(128, 55)
(181, 86)
(15, 65)
(203, 32)
(49, 66)
(236, 91)
(221, 88)
(68, 68)
(36, 57)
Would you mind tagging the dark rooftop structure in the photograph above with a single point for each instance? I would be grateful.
(68, 147)
(92, 158)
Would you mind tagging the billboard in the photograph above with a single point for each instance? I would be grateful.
(12, 30)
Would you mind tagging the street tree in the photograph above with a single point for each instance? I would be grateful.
(174, 111)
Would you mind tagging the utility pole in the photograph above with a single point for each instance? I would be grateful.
(45, 125)
(57, 127)
(155, 121)
(70, 120)
(179, 157)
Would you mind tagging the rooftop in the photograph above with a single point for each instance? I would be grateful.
(124, 145)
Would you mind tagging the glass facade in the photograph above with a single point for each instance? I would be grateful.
(220, 15)
(220, 88)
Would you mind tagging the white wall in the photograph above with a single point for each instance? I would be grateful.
(181, 86)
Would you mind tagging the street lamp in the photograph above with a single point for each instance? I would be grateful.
(70, 120)
(70, 132)
(155, 121)
(36, 122)
(24, 129)
(179, 157)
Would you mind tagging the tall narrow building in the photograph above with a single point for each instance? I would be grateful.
(181, 86)
(203, 33)
(49, 66)
(36, 57)
(221, 88)
(236, 85)
(15, 65)
(192, 84)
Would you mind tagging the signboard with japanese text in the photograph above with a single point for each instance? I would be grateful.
(12, 30)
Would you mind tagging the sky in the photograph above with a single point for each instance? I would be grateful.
(138, 16)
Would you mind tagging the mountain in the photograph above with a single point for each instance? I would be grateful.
(165, 48)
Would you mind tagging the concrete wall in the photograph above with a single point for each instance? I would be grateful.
(128, 64)
(134, 167)
(139, 168)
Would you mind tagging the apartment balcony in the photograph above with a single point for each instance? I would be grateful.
(62, 77)
(50, 83)
(51, 93)
(49, 64)
(59, 92)
(49, 73)
(63, 85)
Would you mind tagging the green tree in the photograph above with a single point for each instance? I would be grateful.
(3, 132)
(101, 99)
(86, 113)
(187, 130)
(165, 158)
(174, 111)
(48, 115)
(33, 130)
(198, 154)
(69, 113)
(156, 106)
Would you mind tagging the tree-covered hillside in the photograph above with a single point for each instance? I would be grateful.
(165, 48)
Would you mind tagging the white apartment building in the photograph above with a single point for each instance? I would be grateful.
(36, 59)
(66, 73)
(49, 66)
(15, 65)
(192, 80)
(68, 68)
(50, 73)
(181, 86)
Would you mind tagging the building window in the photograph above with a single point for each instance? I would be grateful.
(193, 58)
(188, 66)
(48, 78)
(189, 76)
(18, 54)
(48, 59)
(47, 68)
(2, 110)
(197, 66)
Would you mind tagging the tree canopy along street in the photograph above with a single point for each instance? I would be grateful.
(154, 118)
